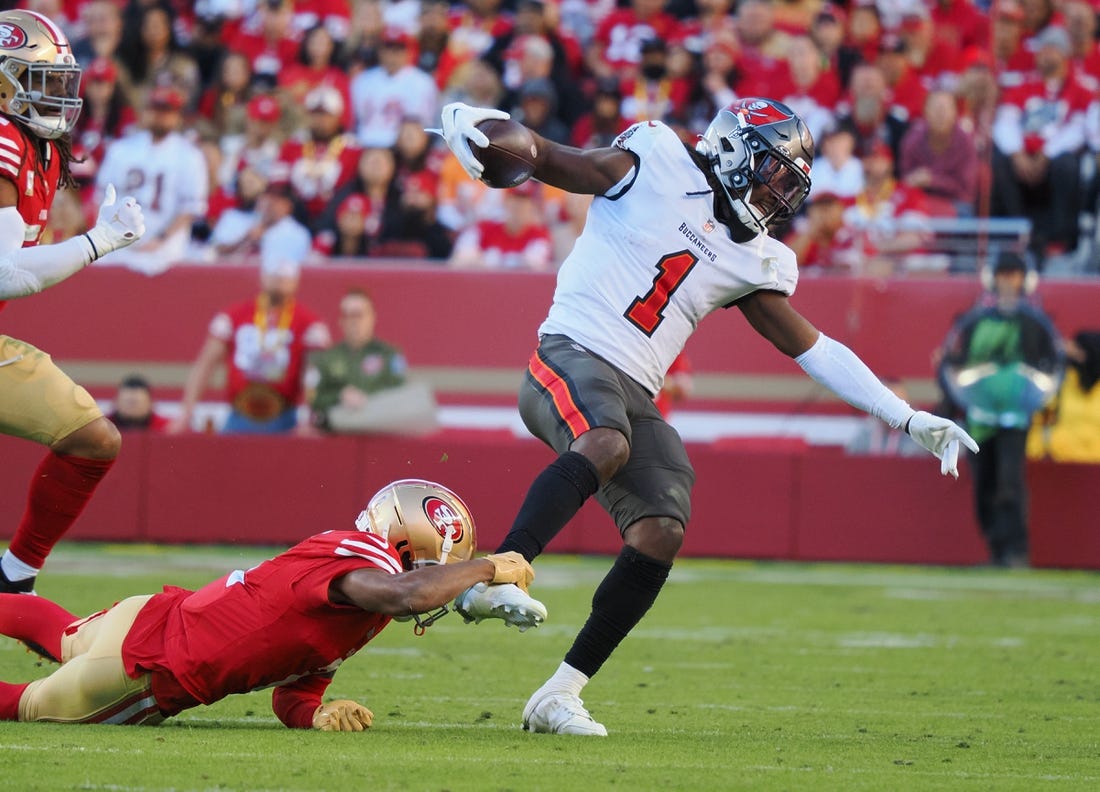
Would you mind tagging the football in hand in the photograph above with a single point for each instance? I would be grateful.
(509, 159)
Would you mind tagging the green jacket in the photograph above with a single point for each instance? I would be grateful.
(375, 367)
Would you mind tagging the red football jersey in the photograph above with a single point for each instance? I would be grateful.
(35, 181)
(273, 354)
(256, 628)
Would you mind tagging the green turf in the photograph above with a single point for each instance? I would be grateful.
(744, 676)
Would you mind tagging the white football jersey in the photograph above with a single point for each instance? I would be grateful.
(167, 177)
(653, 261)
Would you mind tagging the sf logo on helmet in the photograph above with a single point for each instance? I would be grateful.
(443, 518)
(12, 37)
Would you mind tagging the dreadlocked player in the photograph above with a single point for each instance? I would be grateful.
(39, 104)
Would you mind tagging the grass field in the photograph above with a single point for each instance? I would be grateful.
(760, 676)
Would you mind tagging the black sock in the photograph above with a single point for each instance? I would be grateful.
(624, 596)
(554, 497)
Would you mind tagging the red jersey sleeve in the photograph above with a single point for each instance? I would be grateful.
(295, 702)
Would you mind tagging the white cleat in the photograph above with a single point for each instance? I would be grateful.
(550, 712)
(503, 601)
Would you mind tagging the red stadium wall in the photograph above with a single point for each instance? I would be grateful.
(754, 498)
(759, 499)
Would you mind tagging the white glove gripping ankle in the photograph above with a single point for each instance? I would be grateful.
(941, 437)
(460, 122)
(117, 225)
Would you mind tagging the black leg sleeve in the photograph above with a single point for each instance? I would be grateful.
(624, 596)
(553, 499)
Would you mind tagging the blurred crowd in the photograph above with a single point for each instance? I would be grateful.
(228, 117)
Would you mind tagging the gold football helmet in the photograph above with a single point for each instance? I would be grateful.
(426, 523)
(39, 77)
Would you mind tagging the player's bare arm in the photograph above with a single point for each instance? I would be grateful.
(591, 172)
(771, 315)
(585, 172)
(427, 588)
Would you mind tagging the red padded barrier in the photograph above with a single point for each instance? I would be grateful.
(762, 502)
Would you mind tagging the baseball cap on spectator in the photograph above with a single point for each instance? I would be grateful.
(914, 16)
(1054, 36)
(539, 87)
(396, 37)
(1009, 261)
(831, 12)
(879, 148)
(283, 249)
(724, 44)
(421, 181)
(326, 99)
(977, 58)
(263, 108)
(608, 86)
(823, 197)
(892, 42)
(355, 203)
(1010, 11)
(165, 97)
(102, 69)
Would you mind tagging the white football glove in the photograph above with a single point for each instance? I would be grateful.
(942, 438)
(117, 225)
(460, 122)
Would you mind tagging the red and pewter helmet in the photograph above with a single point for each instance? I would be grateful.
(761, 153)
(39, 77)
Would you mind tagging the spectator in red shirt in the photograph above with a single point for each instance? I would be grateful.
(869, 113)
(959, 24)
(224, 103)
(268, 39)
(106, 115)
(323, 159)
(616, 49)
(605, 122)
(889, 219)
(1012, 59)
(263, 343)
(259, 146)
(820, 238)
(809, 87)
(294, 617)
(134, 408)
(653, 94)
(907, 92)
(521, 241)
(1081, 24)
(677, 386)
(1039, 133)
(375, 180)
(319, 62)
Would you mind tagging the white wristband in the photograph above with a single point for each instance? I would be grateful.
(841, 371)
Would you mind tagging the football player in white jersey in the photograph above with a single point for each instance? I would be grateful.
(673, 234)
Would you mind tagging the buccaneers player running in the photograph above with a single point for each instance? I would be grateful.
(39, 104)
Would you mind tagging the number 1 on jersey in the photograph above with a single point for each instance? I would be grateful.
(647, 312)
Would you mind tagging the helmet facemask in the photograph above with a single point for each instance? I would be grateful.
(762, 167)
(426, 523)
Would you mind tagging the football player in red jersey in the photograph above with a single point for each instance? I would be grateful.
(287, 623)
(39, 104)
